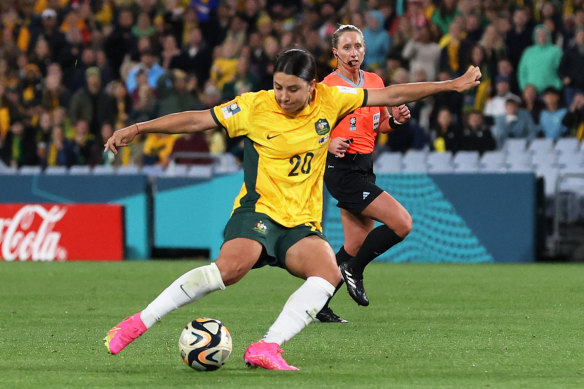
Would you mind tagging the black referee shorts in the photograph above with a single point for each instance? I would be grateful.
(351, 181)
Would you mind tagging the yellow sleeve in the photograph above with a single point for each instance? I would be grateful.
(233, 115)
(347, 99)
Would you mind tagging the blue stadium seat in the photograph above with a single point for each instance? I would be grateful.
(30, 170)
(388, 162)
(440, 162)
(56, 170)
(80, 170)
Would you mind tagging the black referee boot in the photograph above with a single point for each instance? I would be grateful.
(354, 281)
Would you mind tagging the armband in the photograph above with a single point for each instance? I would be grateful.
(394, 123)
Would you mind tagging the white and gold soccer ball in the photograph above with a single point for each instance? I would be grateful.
(205, 344)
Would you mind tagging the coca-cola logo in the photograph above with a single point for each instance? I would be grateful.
(29, 234)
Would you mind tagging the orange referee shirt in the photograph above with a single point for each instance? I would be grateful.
(362, 124)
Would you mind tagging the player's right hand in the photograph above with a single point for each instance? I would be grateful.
(121, 138)
(339, 146)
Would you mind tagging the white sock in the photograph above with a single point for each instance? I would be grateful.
(189, 287)
(300, 309)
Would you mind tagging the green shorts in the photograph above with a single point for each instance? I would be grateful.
(275, 238)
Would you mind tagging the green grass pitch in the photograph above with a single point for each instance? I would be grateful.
(428, 326)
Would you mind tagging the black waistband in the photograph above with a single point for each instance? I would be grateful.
(362, 160)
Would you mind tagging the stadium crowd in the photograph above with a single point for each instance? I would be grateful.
(73, 71)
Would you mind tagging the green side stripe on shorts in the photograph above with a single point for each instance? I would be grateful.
(250, 175)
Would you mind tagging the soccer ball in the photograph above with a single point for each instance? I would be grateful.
(205, 344)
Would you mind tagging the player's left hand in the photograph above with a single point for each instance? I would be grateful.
(401, 114)
(468, 80)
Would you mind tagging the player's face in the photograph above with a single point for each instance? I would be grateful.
(350, 50)
(292, 93)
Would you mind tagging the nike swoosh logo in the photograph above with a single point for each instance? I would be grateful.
(273, 136)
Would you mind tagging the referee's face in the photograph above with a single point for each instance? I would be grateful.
(292, 93)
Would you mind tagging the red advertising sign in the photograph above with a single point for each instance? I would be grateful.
(60, 232)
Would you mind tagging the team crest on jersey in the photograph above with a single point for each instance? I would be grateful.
(322, 126)
(230, 110)
(353, 124)
(260, 227)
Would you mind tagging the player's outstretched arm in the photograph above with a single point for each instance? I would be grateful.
(395, 95)
(175, 123)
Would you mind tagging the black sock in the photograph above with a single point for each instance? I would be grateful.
(342, 256)
(376, 243)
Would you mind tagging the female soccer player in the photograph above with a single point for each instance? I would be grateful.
(277, 215)
(349, 176)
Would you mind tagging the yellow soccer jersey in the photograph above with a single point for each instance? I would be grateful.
(285, 155)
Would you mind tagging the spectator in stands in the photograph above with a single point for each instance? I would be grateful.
(378, 40)
(82, 144)
(121, 104)
(91, 103)
(531, 102)
(96, 154)
(121, 41)
(18, 148)
(157, 149)
(551, 18)
(7, 112)
(505, 69)
(476, 136)
(175, 95)
(404, 32)
(455, 55)
(473, 27)
(445, 136)
(76, 77)
(476, 98)
(244, 81)
(169, 50)
(31, 86)
(193, 143)
(143, 98)
(519, 37)
(105, 69)
(61, 119)
(41, 56)
(71, 51)
(236, 33)
(195, 57)
(59, 150)
(515, 122)
(224, 66)
(453, 101)
(540, 62)
(571, 68)
(574, 118)
(494, 47)
(49, 31)
(43, 134)
(422, 53)
(444, 14)
(143, 27)
(54, 93)
(496, 105)
(149, 65)
(550, 118)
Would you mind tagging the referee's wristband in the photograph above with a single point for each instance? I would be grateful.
(393, 123)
